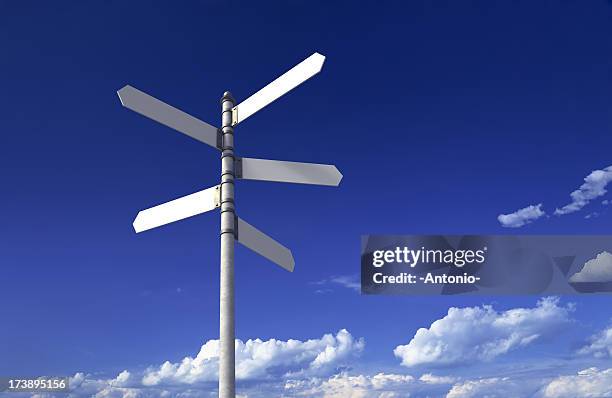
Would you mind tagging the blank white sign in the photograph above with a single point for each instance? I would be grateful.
(279, 87)
(284, 171)
(262, 244)
(167, 115)
(177, 209)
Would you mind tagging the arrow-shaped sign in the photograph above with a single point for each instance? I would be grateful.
(279, 87)
(178, 209)
(284, 171)
(262, 244)
(167, 115)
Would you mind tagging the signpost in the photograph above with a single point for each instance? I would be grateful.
(222, 196)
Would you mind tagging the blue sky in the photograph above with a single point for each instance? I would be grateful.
(441, 116)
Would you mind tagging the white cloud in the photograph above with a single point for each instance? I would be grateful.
(433, 379)
(123, 386)
(341, 385)
(521, 217)
(315, 368)
(382, 380)
(494, 387)
(262, 367)
(594, 186)
(257, 359)
(598, 269)
(265, 364)
(344, 385)
(606, 202)
(588, 383)
(123, 379)
(348, 281)
(338, 386)
(600, 345)
(481, 333)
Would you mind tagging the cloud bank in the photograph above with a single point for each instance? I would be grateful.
(344, 385)
(600, 345)
(590, 383)
(481, 333)
(495, 387)
(325, 367)
(257, 359)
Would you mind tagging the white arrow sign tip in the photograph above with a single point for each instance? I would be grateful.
(338, 175)
(138, 223)
(291, 264)
(123, 92)
(318, 60)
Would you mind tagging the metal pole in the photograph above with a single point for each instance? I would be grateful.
(227, 376)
